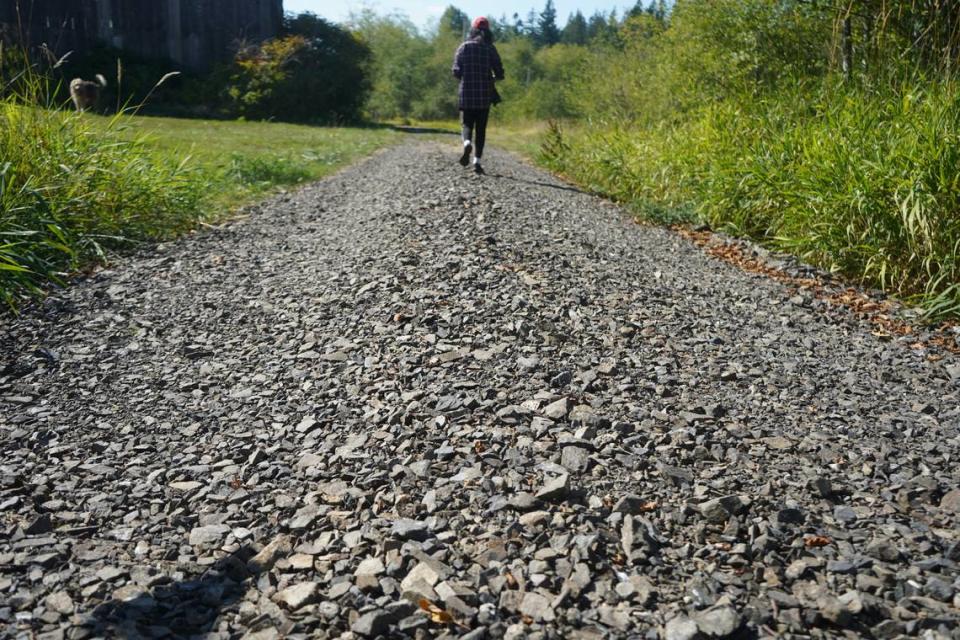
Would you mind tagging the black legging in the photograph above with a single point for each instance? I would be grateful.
(475, 119)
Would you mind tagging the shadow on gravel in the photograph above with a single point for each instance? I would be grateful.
(186, 608)
(420, 130)
(536, 183)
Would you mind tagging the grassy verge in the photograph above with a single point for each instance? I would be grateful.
(69, 194)
(863, 184)
(243, 160)
(73, 188)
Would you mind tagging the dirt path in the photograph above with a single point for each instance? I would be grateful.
(408, 383)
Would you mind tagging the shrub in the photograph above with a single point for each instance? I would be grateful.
(318, 77)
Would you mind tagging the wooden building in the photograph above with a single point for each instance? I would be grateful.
(193, 33)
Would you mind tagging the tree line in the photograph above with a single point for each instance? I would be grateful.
(378, 66)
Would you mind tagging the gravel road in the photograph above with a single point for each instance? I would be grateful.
(409, 401)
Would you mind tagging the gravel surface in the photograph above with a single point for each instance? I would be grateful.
(412, 401)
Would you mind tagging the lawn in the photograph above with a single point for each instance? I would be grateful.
(244, 160)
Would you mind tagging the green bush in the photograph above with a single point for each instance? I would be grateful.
(742, 113)
(69, 193)
(316, 75)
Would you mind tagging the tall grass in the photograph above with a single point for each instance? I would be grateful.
(863, 182)
(69, 192)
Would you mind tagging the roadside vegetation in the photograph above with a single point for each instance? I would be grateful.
(828, 130)
(76, 187)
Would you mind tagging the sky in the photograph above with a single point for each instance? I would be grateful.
(423, 12)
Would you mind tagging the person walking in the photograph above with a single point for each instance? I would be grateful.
(476, 65)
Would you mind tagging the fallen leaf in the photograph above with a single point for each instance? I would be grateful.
(437, 615)
(816, 541)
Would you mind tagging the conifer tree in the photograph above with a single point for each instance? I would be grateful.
(547, 31)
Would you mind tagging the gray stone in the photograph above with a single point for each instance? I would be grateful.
(534, 518)
(61, 602)
(268, 556)
(298, 595)
(939, 589)
(558, 410)
(370, 567)
(408, 529)
(537, 607)
(373, 623)
(719, 622)
(575, 459)
(680, 628)
(950, 502)
(424, 573)
(209, 536)
(844, 514)
(554, 489)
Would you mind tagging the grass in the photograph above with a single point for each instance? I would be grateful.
(74, 188)
(244, 160)
(69, 195)
(864, 184)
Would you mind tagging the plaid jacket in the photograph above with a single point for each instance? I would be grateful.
(475, 65)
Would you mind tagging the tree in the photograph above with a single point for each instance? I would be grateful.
(597, 26)
(454, 21)
(575, 31)
(399, 56)
(316, 72)
(518, 28)
(547, 31)
(502, 30)
(657, 10)
(531, 28)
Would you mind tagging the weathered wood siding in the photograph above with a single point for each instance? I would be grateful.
(194, 33)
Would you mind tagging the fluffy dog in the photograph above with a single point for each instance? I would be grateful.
(86, 93)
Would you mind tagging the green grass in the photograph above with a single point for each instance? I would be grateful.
(244, 160)
(75, 188)
(864, 184)
(68, 195)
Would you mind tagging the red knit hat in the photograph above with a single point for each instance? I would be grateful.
(481, 23)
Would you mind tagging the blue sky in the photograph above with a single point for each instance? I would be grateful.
(421, 12)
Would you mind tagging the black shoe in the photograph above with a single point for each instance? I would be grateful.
(477, 169)
(465, 158)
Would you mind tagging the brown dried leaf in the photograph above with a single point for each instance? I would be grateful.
(436, 614)
(816, 541)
